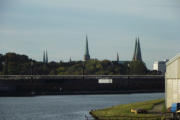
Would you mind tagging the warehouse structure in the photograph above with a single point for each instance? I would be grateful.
(172, 81)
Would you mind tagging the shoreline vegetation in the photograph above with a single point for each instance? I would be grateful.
(17, 64)
(153, 110)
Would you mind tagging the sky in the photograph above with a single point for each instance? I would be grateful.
(31, 26)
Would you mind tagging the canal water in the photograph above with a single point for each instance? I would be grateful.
(66, 107)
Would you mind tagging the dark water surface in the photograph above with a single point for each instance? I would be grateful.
(66, 107)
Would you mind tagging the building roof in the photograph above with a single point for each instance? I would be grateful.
(173, 59)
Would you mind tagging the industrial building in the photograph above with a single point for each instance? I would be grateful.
(160, 66)
(172, 81)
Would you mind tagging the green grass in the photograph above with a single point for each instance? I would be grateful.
(125, 110)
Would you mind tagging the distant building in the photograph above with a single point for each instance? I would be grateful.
(172, 81)
(118, 61)
(160, 66)
(137, 51)
(86, 55)
(45, 57)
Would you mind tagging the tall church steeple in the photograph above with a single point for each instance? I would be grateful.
(86, 55)
(117, 57)
(45, 56)
(44, 59)
(137, 51)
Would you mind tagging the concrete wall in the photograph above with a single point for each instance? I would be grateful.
(89, 84)
(172, 81)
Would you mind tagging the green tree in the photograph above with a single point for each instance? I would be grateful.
(137, 68)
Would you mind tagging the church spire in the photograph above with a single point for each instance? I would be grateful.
(117, 57)
(46, 56)
(44, 59)
(86, 56)
(137, 51)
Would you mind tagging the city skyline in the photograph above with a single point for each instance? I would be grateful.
(27, 27)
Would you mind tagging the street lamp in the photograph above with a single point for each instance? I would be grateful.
(31, 81)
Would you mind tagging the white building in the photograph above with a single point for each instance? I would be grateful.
(160, 66)
(172, 81)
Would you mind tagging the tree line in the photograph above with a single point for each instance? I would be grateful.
(16, 64)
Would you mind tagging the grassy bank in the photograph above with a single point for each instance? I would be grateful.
(119, 112)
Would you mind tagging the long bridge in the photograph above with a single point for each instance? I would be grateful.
(26, 77)
(80, 84)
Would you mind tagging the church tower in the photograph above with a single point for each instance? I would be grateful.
(86, 55)
(45, 57)
(117, 57)
(137, 51)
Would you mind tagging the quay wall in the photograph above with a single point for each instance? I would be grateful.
(87, 84)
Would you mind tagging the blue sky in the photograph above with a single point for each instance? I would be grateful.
(30, 26)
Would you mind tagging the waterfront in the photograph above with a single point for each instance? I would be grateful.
(65, 107)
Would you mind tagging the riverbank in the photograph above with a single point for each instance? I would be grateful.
(64, 107)
(152, 110)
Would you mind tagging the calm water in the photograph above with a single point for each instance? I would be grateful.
(70, 107)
